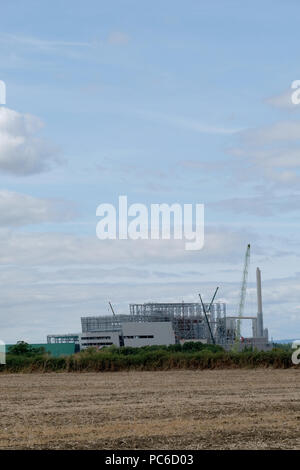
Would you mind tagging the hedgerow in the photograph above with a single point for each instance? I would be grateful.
(149, 358)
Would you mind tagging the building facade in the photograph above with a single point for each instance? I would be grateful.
(134, 334)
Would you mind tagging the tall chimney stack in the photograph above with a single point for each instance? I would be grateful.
(260, 325)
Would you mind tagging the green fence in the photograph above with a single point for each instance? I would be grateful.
(55, 349)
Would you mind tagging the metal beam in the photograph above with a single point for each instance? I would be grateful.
(205, 313)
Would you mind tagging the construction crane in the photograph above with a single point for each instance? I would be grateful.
(242, 298)
(208, 311)
(121, 337)
(111, 307)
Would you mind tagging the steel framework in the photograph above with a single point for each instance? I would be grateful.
(188, 320)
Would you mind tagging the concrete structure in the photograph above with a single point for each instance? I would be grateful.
(261, 344)
(99, 339)
(138, 334)
(261, 333)
(64, 338)
(134, 334)
(187, 319)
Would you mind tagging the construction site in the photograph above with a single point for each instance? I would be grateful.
(175, 323)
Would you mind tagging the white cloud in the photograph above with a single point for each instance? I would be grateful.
(18, 209)
(54, 46)
(276, 166)
(279, 131)
(49, 280)
(185, 122)
(41, 44)
(118, 38)
(221, 246)
(34, 305)
(283, 101)
(289, 158)
(269, 155)
(21, 152)
(261, 205)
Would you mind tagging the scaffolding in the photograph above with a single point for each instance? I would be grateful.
(188, 320)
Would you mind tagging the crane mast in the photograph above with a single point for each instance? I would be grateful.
(242, 297)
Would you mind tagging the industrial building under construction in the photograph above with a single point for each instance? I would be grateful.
(169, 323)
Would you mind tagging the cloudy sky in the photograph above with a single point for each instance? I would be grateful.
(163, 102)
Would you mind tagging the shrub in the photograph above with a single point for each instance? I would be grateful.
(25, 349)
(201, 356)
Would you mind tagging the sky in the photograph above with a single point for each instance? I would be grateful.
(164, 102)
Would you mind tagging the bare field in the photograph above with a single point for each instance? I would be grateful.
(208, 409)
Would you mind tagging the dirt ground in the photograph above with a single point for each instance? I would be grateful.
(210, 409)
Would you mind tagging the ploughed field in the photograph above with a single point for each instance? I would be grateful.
(177, 409)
